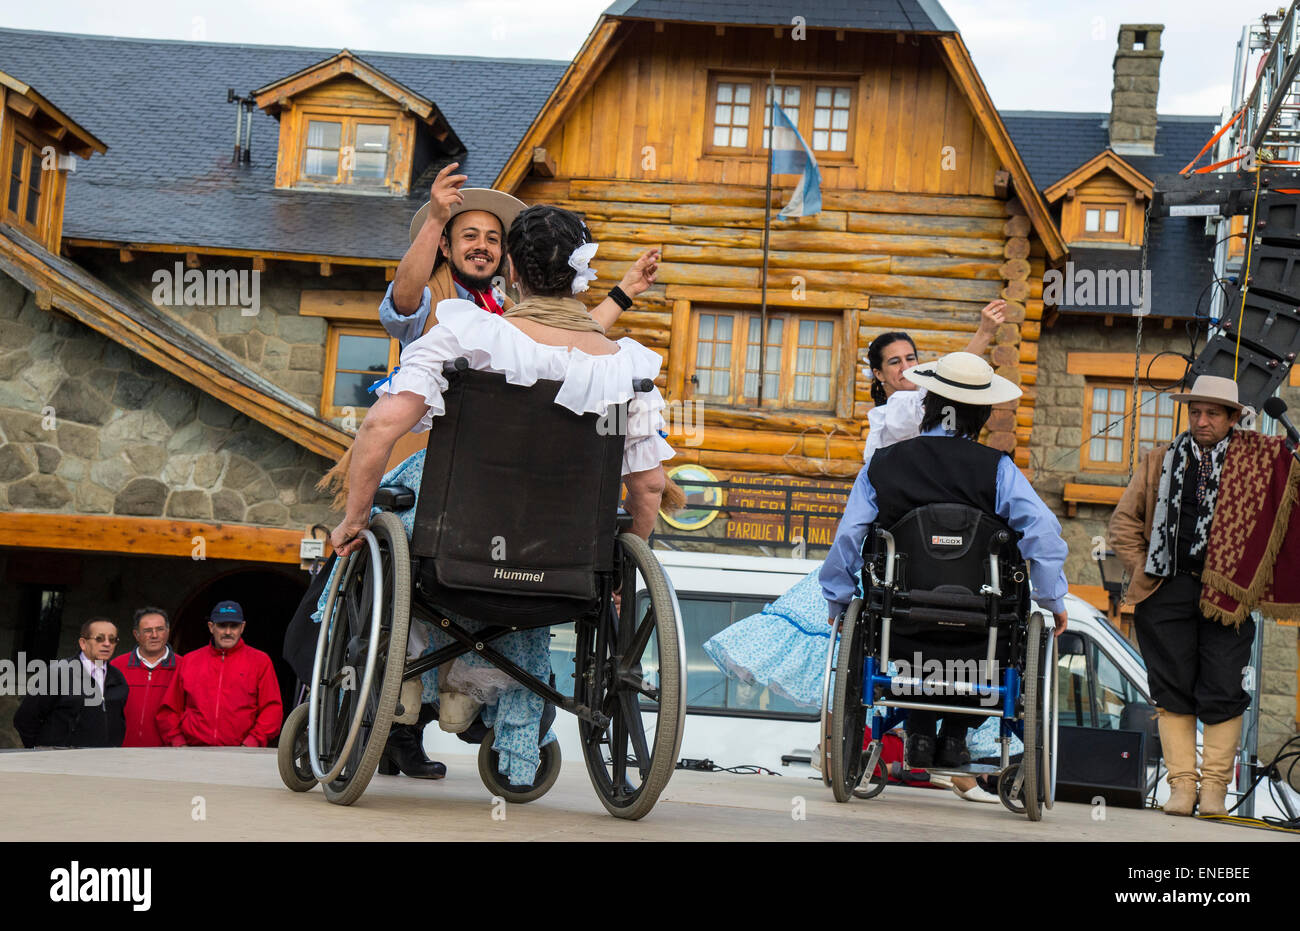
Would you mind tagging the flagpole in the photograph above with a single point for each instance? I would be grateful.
(767, 226)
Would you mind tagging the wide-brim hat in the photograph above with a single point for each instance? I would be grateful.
(1212, 389)
(498, 203)
(963, 377)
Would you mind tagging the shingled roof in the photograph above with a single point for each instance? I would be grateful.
(1053, 144)
(161, 108)
(890, 15)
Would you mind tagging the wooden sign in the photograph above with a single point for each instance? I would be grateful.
(759, 507)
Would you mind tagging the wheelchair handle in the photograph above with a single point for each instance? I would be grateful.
(643, 385)
(459, 364)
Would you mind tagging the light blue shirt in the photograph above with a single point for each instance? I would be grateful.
(1017, 504)
(406, 328)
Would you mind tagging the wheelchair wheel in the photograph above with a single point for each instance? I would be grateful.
(1007, 778)
(547, 772)
(631, 668)
(360, 654)
(848, 714)
(1034, 722)
(824, 741)
(292, 756)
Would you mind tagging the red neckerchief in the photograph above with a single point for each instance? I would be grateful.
(484, 299)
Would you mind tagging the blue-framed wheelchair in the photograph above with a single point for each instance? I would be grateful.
(517, 527)
(944, 589)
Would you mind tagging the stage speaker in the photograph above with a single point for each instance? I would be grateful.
(1258, 373)
(1279, 219)
(1275, 271)
(1098, 762)
(1267, 324)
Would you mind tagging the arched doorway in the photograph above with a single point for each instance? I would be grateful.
(269, 597)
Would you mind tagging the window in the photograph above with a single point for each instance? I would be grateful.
(822, 109)
(1091, 690)
(1104, 221)
(799, 370)
(355, 358)
(1107, 418)
(345, 150)
(23, 200)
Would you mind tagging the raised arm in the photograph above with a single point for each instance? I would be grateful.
(638, 278)
(991, 315)
(417, 264)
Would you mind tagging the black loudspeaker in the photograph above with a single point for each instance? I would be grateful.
(1096, 762)
(1258, 374)
(1279, 219)
(1267, 324)
(1275, 271)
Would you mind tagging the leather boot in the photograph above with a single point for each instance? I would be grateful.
(1218, 762)
(1178, 741)
(404, 752)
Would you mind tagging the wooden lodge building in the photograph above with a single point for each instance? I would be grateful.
(188, 310)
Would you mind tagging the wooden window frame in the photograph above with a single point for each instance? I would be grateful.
(1082, 234)
(38, 227)
(335, 330)
(1086, 462)
(841, 324)
(349, 119)
(758, 82)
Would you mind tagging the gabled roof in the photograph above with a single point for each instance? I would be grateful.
(1054, 145)
(882, 15)
(161, 106)
(144, 330)
(271, 97)
(1106, 160)
(80, 141)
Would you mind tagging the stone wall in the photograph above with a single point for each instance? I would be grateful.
(276, 342)
(88, 427)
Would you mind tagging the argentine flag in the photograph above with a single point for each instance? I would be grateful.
(791, 156)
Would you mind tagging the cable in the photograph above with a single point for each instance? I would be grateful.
(708, 766)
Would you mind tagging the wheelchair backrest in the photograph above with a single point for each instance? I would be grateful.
(947, 546)
(519, 495)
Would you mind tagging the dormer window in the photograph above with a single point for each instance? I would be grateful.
(346, 126)
(1102, 202)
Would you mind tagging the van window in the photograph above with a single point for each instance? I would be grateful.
(1091, 690)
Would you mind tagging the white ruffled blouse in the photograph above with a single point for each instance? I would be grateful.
(590, 383)
(899, 418)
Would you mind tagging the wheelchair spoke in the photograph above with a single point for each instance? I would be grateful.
(631, 714)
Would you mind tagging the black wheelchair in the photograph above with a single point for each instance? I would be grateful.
(517, 526)
(945, 585)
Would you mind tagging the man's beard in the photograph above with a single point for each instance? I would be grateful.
(472, 281)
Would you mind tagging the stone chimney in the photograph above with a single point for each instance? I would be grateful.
(1137, 83)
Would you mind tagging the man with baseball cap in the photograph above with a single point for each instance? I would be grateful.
(224, 694)
(946, 464)
(1161, 532)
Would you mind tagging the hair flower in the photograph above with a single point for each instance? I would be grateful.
(578, 260)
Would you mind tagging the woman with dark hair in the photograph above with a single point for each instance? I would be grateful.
(897, 412)
(548, 335)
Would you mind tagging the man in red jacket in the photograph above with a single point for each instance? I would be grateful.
(149, 670)
(225, 694)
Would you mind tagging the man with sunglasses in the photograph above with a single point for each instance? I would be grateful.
(85, 697)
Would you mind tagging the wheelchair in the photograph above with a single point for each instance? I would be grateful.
(517, 527)
(945, 583)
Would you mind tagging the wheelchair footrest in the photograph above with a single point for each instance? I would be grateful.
(970, 769)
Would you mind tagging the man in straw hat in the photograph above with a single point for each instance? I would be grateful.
(457, 251)
(1161, 532)
(945, 464)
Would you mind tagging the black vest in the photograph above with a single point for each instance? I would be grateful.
(933, 470)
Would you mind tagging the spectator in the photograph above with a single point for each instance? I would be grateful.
(225, 694)
(83, 705)
(149, 669)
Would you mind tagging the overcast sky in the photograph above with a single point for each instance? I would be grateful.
(1032, 54)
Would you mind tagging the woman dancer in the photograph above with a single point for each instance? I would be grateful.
(784, 647)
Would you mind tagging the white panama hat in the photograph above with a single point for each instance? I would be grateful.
(1212, 389)
(963, 377)
(498, 203)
